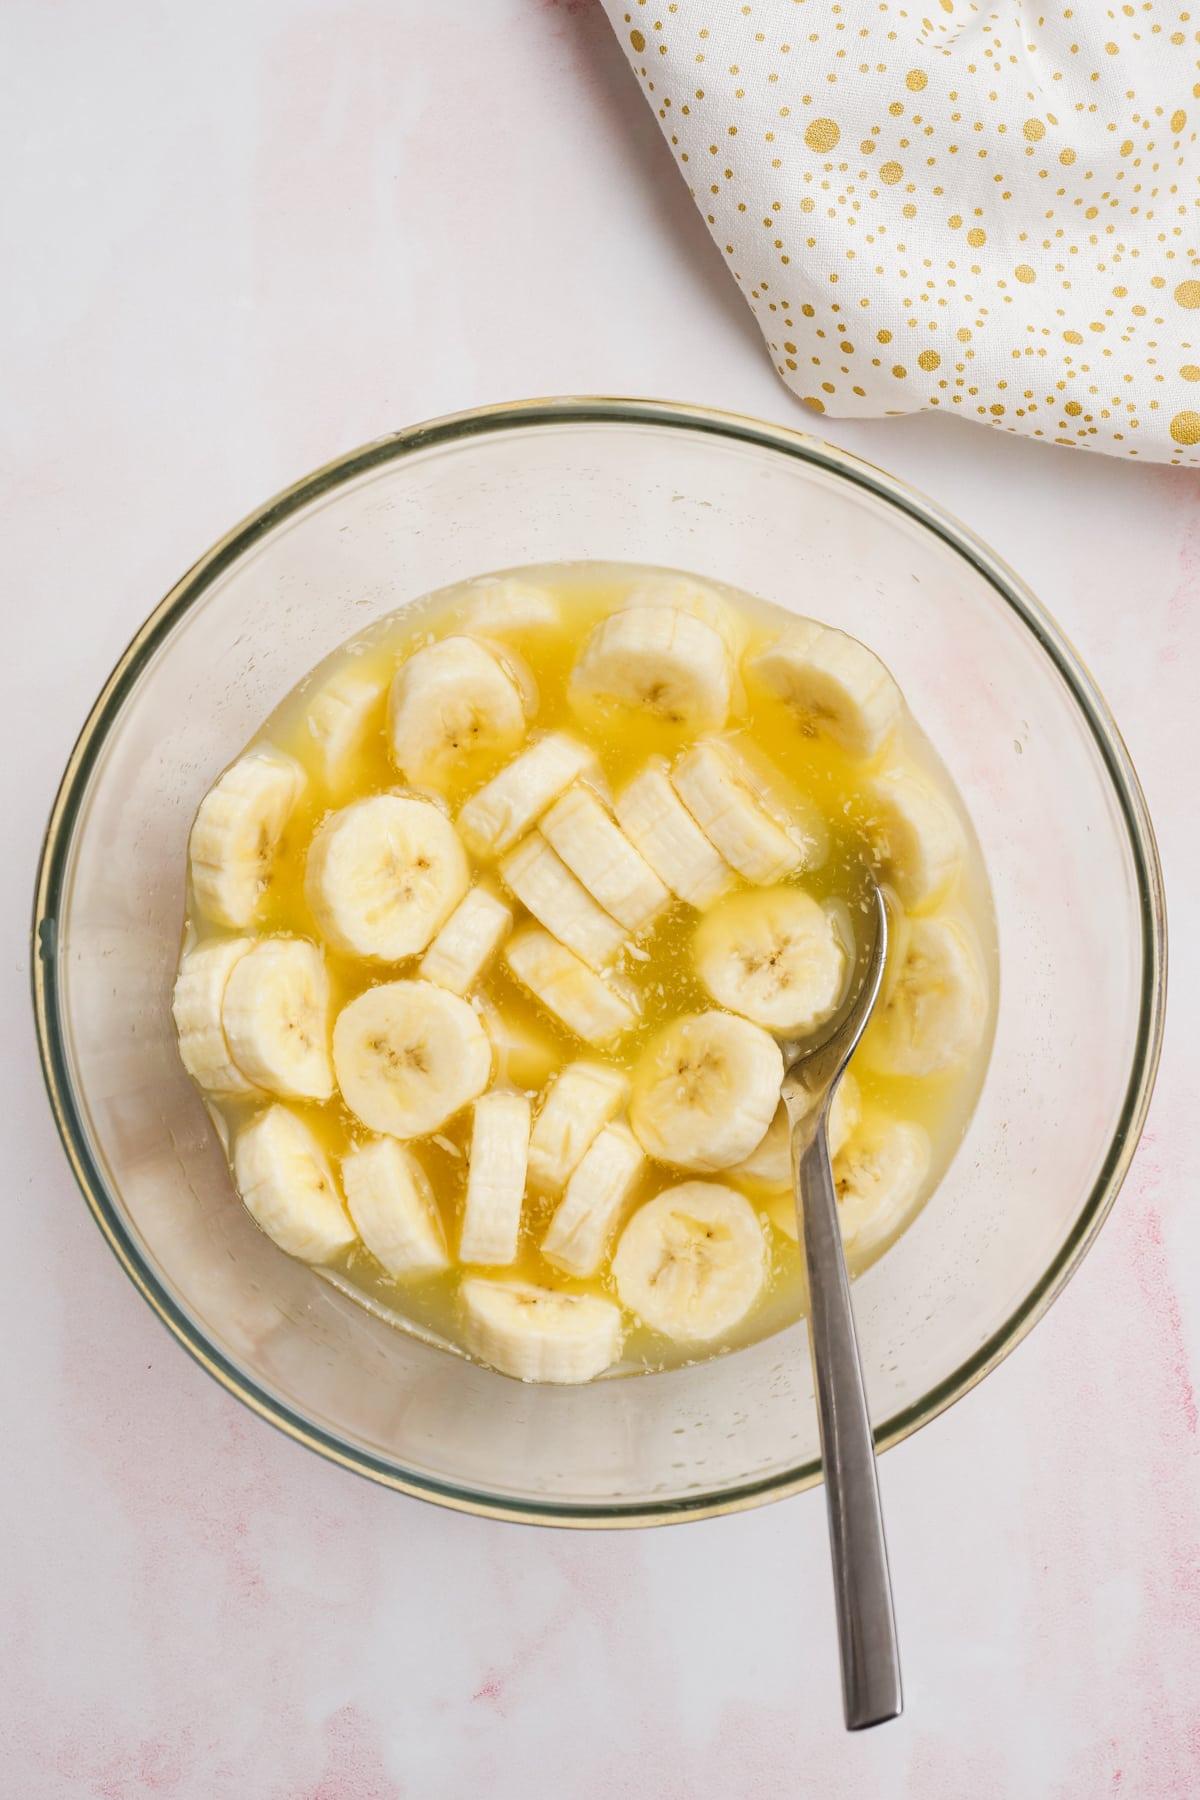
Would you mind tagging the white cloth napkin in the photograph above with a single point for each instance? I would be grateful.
(990, 210)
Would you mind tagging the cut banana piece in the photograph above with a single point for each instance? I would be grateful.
(595, 849)
(288, 1187)
(236, 832)
(934, 1006)
(834, 685)
(341, 714)
(408, 1056)
(596, 1198)
(692, 1262)
(660, 826)
(276, 1018)
(917, 836)
(391, 1203)
(583, 1099)
(454, 706)
(492, 820)
(705, 1090)
(682, 594)
(497, 605)
(384, 875)
(655, 660)
(524, 1057)
(545, 886)
(467, 942)
(595, 1009)
(879, 1176)
(496, 1181)
(774, 956)
(537, 1333)
(717, 789)
(770, 1166)
(196, 1008)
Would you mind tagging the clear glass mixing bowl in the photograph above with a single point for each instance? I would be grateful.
(1026, 736)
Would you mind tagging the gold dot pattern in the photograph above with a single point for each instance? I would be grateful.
(979, 207)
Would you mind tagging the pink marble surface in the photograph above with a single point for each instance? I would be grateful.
(240, 239)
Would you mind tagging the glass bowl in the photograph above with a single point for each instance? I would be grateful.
(1016, 718)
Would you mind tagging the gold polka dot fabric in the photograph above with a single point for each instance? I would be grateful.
(989, 210)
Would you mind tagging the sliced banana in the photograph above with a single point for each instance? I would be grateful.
(196, 1007)
(584, 1098)
(879, 1175)
(656, 660)
(544, 885)
(391, 1203)
(717, 787)
(917, 836)
(684, 594)
(596, 850)
(537, 1333)
(705, 1090)
(594, 1008)
(236, 833)
(496, 1180)
(499, 604)
(597, 1195)
(288, 1187)
(492, 820)
(276, 1018)
(660, 826)
(692, 1262)
(408, 1056)
(834, 684)
(933, 1010)
(770, 1165)
(774, 956)
(340, 716)
(455, 705)
(384, 874)
(467, 942)
(523, 1056)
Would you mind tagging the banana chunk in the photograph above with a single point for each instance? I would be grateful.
(408, 1056)
(196, 1008)
(655, 660)
(499, 604)
(288, 1187)
(236, 832)
(595, 1009)
(659, 825)
(718, 790)
(934, 1006)
(492, 820)
(454, 706)
(598, 853)
(917, 836)
(879, 1174)
(537, 1333)
(705, 1090)
(391, 1203)
(773, 956)
(681, 593)
(834, 685)
(384, 874)
(545, 886)
(496, 1181)
(582, 1101)
(597, 1194)
(340, 716)
(524, 1056)
(276, 1018)
(467, 942)
(692, 1262)
(770, 1165)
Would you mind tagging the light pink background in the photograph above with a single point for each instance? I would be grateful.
(241, 238)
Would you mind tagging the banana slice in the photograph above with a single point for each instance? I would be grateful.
(236, 832)
(537, 1333)
(288, 1187)
(774, 956)
(408, 1056)
(917, 836)
(718, 789)
(455, 705)
(770, 1166)
(705, 1090)
(584, 1097)
(341, 714)
(934, 1006)
(597, 1194)
(493, 819)
(467, 942)
(545, 886)
(391, 1203)
(834, 685)
(655, 660)
(599, 854)
(692, 1262)
(196, 1008)
(496, 1182)
(682, 594)
(497, 605)
(276, 1018)
(384, 874)
(524, 1057)
(879, 1176)
(660, 826)
(595, 1009)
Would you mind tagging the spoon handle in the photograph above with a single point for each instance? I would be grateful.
(862, 1585)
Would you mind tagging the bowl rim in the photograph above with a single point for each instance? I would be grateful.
(55, 861)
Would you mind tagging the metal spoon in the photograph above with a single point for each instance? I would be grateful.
(862, 1586)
